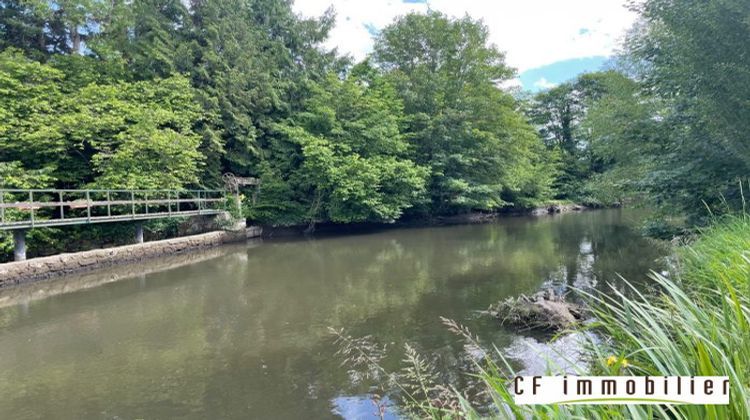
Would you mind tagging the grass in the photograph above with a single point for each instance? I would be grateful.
(698, 323)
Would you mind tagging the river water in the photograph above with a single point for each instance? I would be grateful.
(242, 331)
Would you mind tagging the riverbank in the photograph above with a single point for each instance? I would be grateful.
(475, 217)
(39, 290)
(41, 268)
(264, 310)
(19, 272)
(695, 322)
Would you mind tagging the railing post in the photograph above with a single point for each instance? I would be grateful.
(88, 206)
(200, 207)
(178, 201)
(62, 207)
(109, 205)
(2, 206)
(169, 202)
(19, 245)
(145, 200)
(31, 206)
(139, 233)
(237, 202)
(132, 202)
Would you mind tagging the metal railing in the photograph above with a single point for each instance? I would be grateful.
(24, 209)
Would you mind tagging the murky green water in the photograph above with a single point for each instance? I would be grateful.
(241, 332)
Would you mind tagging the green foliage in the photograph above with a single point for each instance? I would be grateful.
(29, 112)
(140, 133)
(559, 115)
(482, 155)
(165, 93)
(13, 175)
(249, 61)
(671, 129)
(618, 121)
(122, 134)
(148, 35)
(170, 94)
(347, 156)
(719, 254)
(677, 136)
(40, 27)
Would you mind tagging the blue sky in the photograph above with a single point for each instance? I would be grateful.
(545, 77)
(547, 41)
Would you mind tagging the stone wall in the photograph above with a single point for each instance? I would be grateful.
(57, 265)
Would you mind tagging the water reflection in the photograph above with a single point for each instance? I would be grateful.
(243, 333)
(565, 355)
(365, 407)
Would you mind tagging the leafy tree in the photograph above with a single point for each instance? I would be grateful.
(480, 153)
(558, 113)
(14, 175)
(250, 59)
(30, 110)
(22, 29)
(627, 137)
(150, 36)
(345, 156)
(139, 134)
(135, 135)
(692, 60)
(44, 27)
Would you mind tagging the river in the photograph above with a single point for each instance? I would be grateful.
(242, 331)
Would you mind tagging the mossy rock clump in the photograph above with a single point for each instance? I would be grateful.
(545, 311)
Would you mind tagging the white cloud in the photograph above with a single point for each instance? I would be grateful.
(543, 83)
(532, 32)
(514, 83)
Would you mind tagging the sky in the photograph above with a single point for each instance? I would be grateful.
(547, 41)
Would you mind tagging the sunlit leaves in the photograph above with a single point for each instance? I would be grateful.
(352, 154)
(135, 135)
(481, 153)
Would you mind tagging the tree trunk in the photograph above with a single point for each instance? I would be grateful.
(76, 39)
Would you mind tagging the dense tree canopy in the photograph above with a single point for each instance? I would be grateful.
(108, 135)
(481, 153)
(695, 56)
(166, 93)
(676, 133)
(558, 114)
(172, 94)
(344, 159)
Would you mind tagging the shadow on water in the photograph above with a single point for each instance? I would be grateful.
(242, 332)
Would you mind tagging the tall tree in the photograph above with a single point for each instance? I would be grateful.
(148, 35)
(250, 59)
(557, 113)
(460, 123)
(45, 27)
(344, 159)
(23, 29)
(120, 134)
(626, 139)
(694, 57)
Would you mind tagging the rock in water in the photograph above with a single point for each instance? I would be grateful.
(545, 310)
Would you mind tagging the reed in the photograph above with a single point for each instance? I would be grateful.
(696, 322)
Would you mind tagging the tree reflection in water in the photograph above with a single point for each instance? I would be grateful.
(244, 333)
